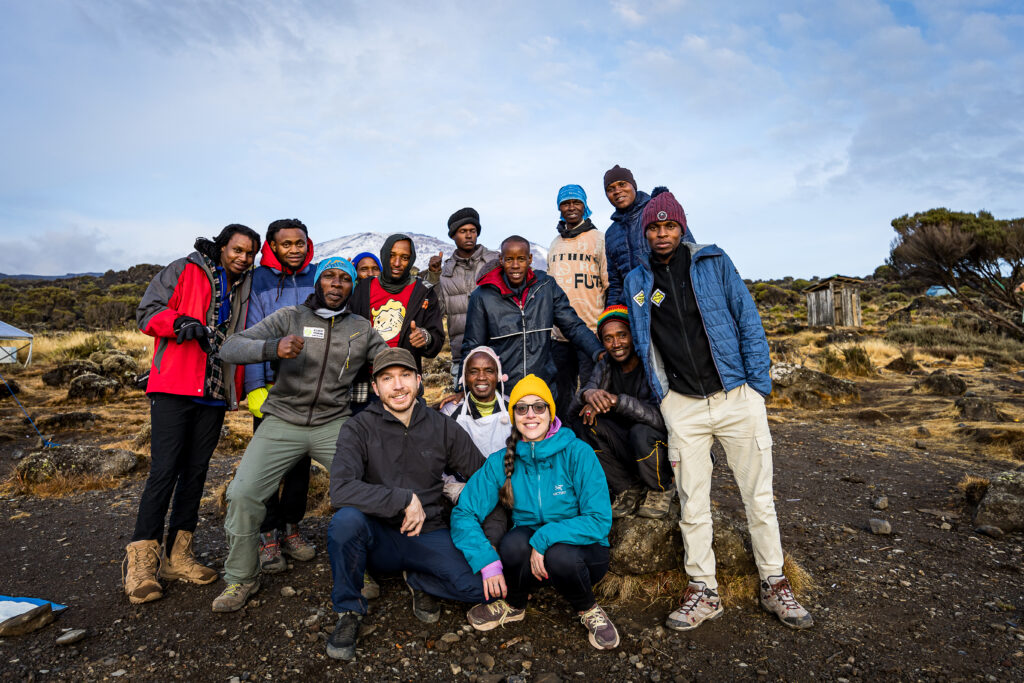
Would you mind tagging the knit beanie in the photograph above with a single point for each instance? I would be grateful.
(335, 262)
(462, 217)
(531, 385)
(617, 312)
(616, 173)
(574, 192)
(663, 207)
(365, 254)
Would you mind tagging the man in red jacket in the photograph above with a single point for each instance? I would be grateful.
(190, 307)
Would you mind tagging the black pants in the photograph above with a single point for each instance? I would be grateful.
(574, 366)
(631, 454)
(572, 569)
(184, 434)
(287, 505)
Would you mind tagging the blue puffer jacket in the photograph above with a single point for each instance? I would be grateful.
(625, 246)
(271, 290)
(559, 489)
(738, 343)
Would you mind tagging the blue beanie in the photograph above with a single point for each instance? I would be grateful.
(335, 262)
(365, 254)
(574, 192)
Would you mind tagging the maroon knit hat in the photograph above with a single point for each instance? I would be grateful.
(663, 207)
(615, 173)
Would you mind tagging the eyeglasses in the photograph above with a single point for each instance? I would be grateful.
(540, 408)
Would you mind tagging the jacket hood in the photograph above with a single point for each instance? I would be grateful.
(633, 209)
(534, 452)
(487, 351)
(495, 278)
(568, 233)
(269, 259)
(207, 248)
(394, 285)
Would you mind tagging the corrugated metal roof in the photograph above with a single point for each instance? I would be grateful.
(12, 332)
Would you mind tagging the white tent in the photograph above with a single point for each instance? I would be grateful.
(13, 340)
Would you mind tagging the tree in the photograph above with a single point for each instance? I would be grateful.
(977, 257)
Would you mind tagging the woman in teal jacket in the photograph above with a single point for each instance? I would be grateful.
(556, 491)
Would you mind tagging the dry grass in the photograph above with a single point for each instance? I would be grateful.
(973, 487)
(58, 486)
(58, 345)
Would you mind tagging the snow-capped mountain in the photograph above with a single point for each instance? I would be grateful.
(426, 246)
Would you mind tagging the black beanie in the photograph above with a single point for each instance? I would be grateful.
(616, 173)
(462, 217)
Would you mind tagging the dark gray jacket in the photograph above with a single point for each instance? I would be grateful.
(643, 408)
(454, 284)
(313, 388)
(379, 463)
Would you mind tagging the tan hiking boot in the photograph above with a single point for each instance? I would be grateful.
(371, 589)
(143, 563)
(625, 503)
(233, 597)
(182, 564)
(656, 504)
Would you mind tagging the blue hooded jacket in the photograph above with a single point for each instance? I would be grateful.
(738, 343)
(560, 491)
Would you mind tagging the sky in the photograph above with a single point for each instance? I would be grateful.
(792, 132)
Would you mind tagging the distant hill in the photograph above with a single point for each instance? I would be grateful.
(426, 246)
(27, 276)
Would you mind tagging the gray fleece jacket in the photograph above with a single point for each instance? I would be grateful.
(312, 389)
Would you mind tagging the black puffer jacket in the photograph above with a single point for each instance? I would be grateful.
(642, 408)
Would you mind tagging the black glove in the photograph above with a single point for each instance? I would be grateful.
(187, 328)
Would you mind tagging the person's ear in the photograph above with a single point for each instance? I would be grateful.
(374, 385)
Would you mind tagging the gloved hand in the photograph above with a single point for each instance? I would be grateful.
(186, 328)
(255, 399)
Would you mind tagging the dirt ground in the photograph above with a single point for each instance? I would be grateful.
(933, 601)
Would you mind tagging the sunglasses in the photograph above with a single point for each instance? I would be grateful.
(540, 408)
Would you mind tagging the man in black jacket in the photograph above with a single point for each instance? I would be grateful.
(623, 424)
(386, 483)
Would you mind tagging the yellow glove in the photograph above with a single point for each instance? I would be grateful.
(255, 400)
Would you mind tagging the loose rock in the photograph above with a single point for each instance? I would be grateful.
(977, 409)
(72, 636)
(990, 531)
(287, 592)
(880, 527)
(1003, 504)
(942, 383)
(882, 503)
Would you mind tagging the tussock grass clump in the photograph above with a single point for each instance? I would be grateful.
(945, 341)
(973, 487)
(61, 347)
(58, 486)
(857, 362)
(830, 362)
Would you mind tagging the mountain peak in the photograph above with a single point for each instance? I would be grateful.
(426, 246)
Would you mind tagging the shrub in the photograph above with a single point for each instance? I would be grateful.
(831, 364)
(857, 361)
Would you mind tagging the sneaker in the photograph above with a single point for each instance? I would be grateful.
(182, 565)
(488, 615)
(625, 503)
(341, 644)
(233, 597)
(656, 504)
(271, 559)
(699, 604)
(371, 589)
(602, 634)
(425, 606)
(295, 546)
(143, 561)
(777, 597)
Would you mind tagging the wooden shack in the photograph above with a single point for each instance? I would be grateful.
(834, 302)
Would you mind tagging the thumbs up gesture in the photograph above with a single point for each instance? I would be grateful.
(435, 263)
(417, 337)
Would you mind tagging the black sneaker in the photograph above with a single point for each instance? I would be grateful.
(342, 642)
(425, 606)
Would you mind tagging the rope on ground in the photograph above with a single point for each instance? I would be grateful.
(46, 442)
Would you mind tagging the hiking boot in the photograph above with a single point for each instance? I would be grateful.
(777, 597)
(602, 634)
(271, 559)
(485, 616)
(341, 644)
(234, 596)
(182, 564)
(656, 504)
(425, 606)
(143, 560)
(699, 604)
(295, 546)
(625, 503)
(371, 589)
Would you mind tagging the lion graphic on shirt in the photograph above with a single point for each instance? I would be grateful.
(388, 319)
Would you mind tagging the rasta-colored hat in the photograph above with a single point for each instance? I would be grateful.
(617, 312)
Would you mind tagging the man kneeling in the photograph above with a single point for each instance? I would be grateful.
(386, 482)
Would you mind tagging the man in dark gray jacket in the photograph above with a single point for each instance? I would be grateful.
(386, 483)
(319, 347)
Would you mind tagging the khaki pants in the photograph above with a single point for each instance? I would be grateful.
(275, 447)
(739, 421)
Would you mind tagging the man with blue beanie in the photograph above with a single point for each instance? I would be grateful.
(319, 347)
(367, 265)
(577, 262)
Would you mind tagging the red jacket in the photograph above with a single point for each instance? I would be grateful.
(185, 287)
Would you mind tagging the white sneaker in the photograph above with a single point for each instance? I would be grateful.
(699, 604)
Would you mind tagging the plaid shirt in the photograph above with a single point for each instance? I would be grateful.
(214, 388)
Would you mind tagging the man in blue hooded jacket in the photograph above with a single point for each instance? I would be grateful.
(697, 330)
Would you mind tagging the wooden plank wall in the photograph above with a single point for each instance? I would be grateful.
(820, 311)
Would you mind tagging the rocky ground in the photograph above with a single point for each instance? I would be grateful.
(932, 600)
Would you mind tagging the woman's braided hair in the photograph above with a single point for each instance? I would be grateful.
(505, 495)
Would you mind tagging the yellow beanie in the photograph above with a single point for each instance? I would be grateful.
(531, 385)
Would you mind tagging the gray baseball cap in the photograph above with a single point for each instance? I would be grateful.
(388, 357)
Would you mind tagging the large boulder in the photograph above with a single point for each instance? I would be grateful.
(942, 383)
(1003, 504)
(903, 366)
(809, 388)
(79, 418)
(978, 409)
(92, 386)
(120, 366)
(69, 461)
(65, 372)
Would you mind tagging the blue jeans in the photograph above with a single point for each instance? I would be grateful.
(356, 541)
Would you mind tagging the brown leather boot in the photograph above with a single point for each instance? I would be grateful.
(143, 560)
(182, 564)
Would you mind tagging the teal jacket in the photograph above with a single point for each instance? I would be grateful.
(559, 488)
